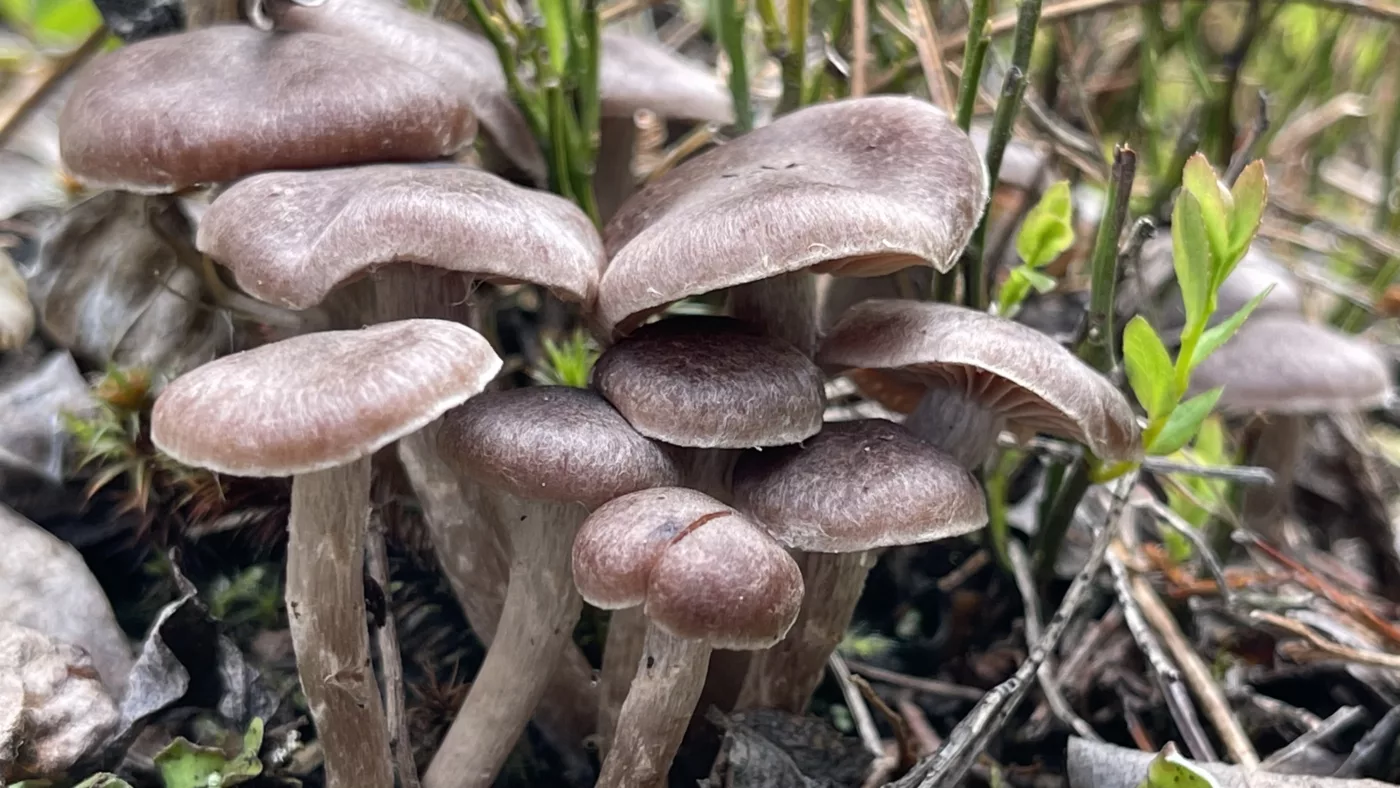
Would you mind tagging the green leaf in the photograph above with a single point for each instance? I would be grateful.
(1191, 259)
(1184, 422)
(1043, 283)
(1251, 193)
(1218, 335)
(1210, 442)
(186, 765)
(1200, 180)
(1149, 367)
(1170, 770)
(64, 22)
(1047, 232)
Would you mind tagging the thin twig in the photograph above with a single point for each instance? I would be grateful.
(904, 739)
(1378, 743)
(1197, 674)
(920, 729)
(1096, 344)
(1163, 669)
(1247, 152)
(953, 761)
(1340, 720)
(694, 140)
(1239, 474)
(965, 570)
(1021, 569)
(1198, 541)
(1328, 649)
(860, 713)
(45, 84)
(860, 56)
(942, 689)
(930, 54)
(391, 662)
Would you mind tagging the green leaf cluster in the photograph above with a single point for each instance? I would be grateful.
(1212, 228)
(186, 765)
(1045, 235)
(568, 363)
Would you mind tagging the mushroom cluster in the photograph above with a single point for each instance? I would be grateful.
(693, 487)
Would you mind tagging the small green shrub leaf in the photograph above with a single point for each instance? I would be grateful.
(1184, 422)
(1149, 367)
(1191, 258)
(1219, 334)
(1201, 182)
(1170, 770)
(1047, 233)
(1251, 193)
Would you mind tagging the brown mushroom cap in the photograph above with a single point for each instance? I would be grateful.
(1279, 363)
(219, 103)
(292, 237)
(859, 187)
(905, 347)
(635, 73)
(319, 401)
(701, 569)
(712, 382)
(554, 443)
(856, 486)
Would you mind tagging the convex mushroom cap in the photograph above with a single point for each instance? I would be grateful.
(903, 349)
(700, 569)
(290, 238)
(860, 187)
(552, 443)
(1280, 363)
(319, 401)
(857, 486)
(712, 382)
(223, 102)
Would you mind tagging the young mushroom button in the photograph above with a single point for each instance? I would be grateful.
(859, 187)
(549, 454)
(216, 104)
(706, 578)
(855, 487)
(315, 407)
(966, 374)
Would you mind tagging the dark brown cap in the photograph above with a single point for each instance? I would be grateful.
(322, 400)
(903, 348)
(701, 569)
(858, 485)
(216, 104)
(553, 443)
(1280, 363)
(858, 187)
(292, 237)
(712, 382)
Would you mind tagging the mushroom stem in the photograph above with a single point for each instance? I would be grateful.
(1275, 442)
(785, 676)
(783, 306)
(627, 631)
(537, 623)
(613, 181)
(326, 606)
(955, 423)
(670, 677)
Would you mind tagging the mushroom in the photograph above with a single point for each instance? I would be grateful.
(315, 407)
(548, 454)
(387, 242)
(1282, 369)
(966, 374)
(706, 578)
(216, 104)
(707, 386)
(860, 187)
(855, 488)
(633, 74)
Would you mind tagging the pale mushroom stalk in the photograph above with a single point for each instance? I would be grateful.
(784, 306)
(1274, 442)
(316, 407)
(705, 577)
(326, 617)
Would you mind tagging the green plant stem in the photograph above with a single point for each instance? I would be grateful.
(795, 60)
(529, 102)
(1056, 523)
(1096, 345)
(773, 39)
(974, 53)
(997, 488)
(731, 15)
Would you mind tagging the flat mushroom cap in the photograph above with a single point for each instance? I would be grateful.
(856, 486)
(712, 382)
(318, 401)
(701, 569)
(219, 103)
(290, 238)
(1280, 363)
(553, 443)
(635, 73)
(860, 187)
(901, 347)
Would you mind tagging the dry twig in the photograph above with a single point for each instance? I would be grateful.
(391, 661)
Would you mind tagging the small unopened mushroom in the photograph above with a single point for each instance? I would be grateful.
(860, 187)
(315, 407)
(1282, 369)
(550, 454)
(706, 578)
(966, 375)
(856, 487)
(216, 104)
